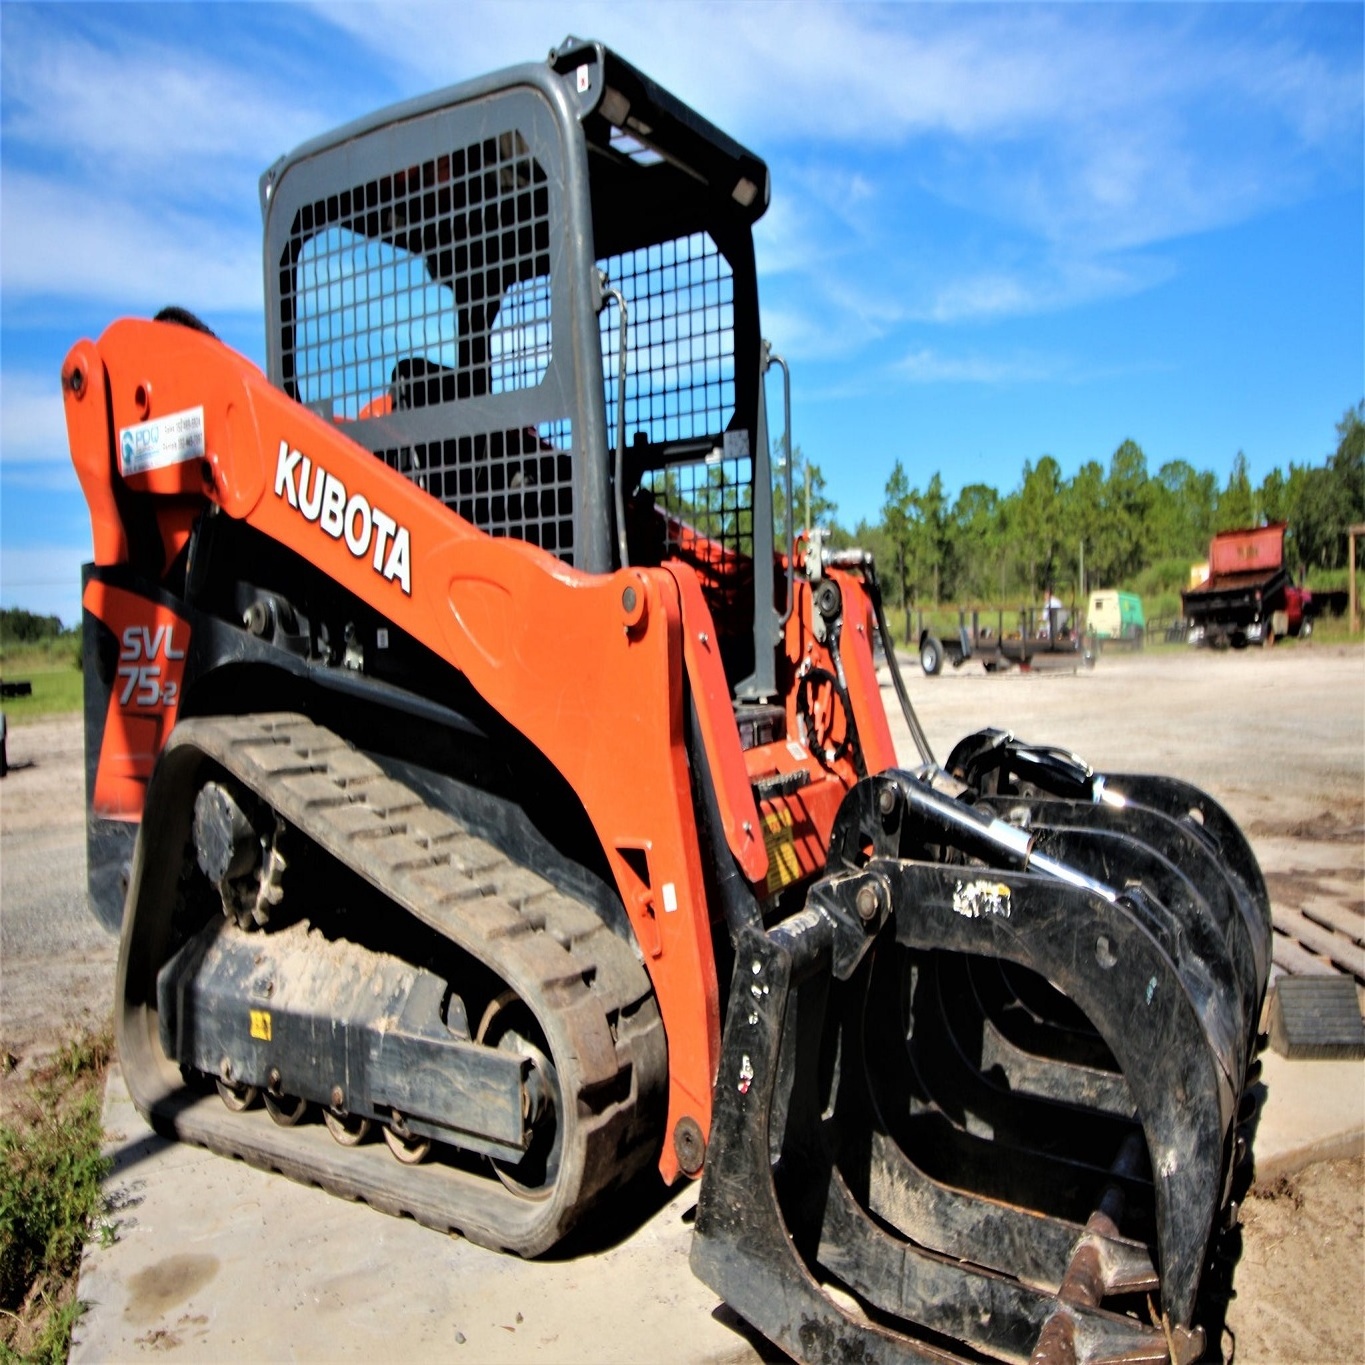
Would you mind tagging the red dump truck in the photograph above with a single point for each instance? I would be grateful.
(1249, 597)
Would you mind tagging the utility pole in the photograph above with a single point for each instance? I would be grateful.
(806, 464)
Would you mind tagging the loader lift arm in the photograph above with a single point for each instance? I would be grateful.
(495, 608)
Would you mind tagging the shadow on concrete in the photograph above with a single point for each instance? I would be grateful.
(134, 1151)
(621, 1215)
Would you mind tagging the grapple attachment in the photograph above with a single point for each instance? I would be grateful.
(980, 1095)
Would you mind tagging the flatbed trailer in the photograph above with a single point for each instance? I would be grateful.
(1041, 641)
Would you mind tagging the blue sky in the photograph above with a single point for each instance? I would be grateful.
(996, 232)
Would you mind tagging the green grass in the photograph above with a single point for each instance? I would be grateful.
(43, 656)
(51, 1201)
(55, 692)
(1332, 630)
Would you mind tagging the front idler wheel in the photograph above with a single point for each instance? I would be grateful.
(509, 1025)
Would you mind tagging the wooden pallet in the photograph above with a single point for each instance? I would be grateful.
(1315, 1007)
(1321, 939)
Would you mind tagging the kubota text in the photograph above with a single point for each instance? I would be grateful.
(324, 499)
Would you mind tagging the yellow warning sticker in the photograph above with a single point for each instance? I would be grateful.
(260, 1025)
(784, 867)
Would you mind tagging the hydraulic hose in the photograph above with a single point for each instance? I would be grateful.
(874, 591)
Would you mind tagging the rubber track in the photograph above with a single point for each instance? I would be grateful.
(585, 985)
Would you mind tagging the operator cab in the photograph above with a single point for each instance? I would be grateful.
(447, 279)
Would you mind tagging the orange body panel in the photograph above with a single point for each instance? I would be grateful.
(87, 399)
(590, 668)
(499, 610)
(145, 697)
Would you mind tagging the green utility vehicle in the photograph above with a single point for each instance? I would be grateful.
(1115, 615)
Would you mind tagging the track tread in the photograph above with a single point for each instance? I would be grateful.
(585, 984)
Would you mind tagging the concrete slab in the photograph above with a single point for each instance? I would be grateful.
(1310, 1111)
(215, 1259)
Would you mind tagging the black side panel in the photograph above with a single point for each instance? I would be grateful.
(108, 843)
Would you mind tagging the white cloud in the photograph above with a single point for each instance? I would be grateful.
(1045, 285)
(72, 242)
(834, 72)
(1093, 129)
(131, 166)
(45, 579)
(927, 366)
(879, 73)
(782, 239)
(800, 333)
(144, 119)
(32, 421)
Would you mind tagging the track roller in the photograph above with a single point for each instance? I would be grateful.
(410, 1149)
(347, 1129)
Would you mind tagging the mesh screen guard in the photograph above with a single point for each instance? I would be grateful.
(420, 297)
(443, 265)
(426, 292)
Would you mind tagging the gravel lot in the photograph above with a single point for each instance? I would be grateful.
(1277, 735)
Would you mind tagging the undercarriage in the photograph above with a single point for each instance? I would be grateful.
(500, 1037)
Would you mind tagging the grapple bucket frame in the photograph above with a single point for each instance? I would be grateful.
(815, 1223)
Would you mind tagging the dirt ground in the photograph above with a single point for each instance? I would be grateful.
(56, 962)
(1278, 736)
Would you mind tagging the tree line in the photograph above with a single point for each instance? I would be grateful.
(20, 627)
(1121, 526)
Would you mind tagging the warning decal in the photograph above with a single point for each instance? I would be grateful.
(778, 837)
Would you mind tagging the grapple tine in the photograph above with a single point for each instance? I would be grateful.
(1110, 964)
(1179, 917)
(1223, 899)
(997, 766)
(1042, 1123)
(962, 1131)
(1012, 1068)
(1017, 1241)
(1036, 1018)
(1182, 800)
(992, 1312)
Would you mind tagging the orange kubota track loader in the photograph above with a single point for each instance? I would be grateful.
(479, 782)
